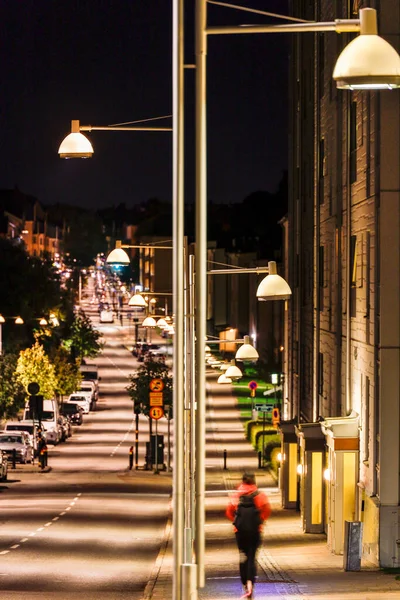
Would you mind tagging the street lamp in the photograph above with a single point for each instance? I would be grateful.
(233, 371)
(181, 573)
(137, 300)
(380, 68)
(224, 379)
(272, 287)
(118, 256)
(77, 145)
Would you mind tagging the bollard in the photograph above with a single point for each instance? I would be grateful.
(225, 455)
(130, 458)
(14, 458)
(259, 459)
(45, 456)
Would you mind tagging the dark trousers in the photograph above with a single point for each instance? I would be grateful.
(248, 546)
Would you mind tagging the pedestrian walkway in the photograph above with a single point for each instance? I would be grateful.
(291, 565)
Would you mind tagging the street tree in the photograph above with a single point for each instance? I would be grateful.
(34, 366)
(12, 393)
(68, 376)
(84, 340)
(139, 386)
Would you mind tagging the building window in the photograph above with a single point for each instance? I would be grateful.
(366, 419)
(321, 274)
(321, 64)
(353, 275)
(320, 373)
(353, 142)
(321, 170)
(296, 356)
(34, 239)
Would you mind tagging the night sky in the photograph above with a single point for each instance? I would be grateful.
(109, 61)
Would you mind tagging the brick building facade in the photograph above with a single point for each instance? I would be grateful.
(343, 249)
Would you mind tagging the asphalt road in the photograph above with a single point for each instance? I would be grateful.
(89, 528)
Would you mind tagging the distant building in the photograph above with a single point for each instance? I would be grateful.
(23, 219)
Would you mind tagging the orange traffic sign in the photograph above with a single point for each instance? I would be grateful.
(156, 385)
(275, 417)
(156, 412)
(156, 398)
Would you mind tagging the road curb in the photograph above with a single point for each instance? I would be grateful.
(149, 589)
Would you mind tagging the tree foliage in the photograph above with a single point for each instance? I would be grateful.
(68, 376)
(12, 393)
(31, 288)
(34, 366)
(84, 340)
(139, 386)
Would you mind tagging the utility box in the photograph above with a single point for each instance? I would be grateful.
(352, 545)
(151, 452)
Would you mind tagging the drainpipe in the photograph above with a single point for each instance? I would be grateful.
(317, 237)
(348, 260)
(377, 299)
(298, 265)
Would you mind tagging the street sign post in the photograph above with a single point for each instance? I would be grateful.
(156, 398)
(253, 385)
(156, 385)
(156, 412)
(267, 408)
(275, 417)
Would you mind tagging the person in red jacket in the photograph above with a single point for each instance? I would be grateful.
(248, 509)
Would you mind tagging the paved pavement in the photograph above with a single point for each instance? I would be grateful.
(291, 565)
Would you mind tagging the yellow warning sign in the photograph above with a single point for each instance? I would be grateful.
(156, 398)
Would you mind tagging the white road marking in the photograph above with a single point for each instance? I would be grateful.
(15, 546)
(5, 552)
(48, 524)
(24, 540)
(72, 503)
(55, 519)
(32, 534)
(62, 514)
(40, 529)
(68, 508)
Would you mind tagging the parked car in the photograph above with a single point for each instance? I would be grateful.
(3, 466)
(90, 387)
(65, 427)
(82, 399)
(159, 351)
(28, 426)
(106, 316)
(18, 443)
(73, 412)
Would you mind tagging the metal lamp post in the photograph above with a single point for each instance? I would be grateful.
(70, 150)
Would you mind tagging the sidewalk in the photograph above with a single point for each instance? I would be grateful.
(291, 565)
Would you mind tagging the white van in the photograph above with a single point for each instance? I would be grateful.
(90, 372)
(49, 420)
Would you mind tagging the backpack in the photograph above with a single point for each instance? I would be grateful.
(247, 518)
